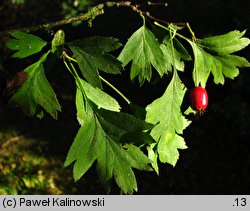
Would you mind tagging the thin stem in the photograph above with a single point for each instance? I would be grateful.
(157, 4)
(164, 27)
(115, 89)
(75, 75)
(68, 68)
(68, 57)
(191, 42)
(168, 29)
(196, 82)
(143, 18)
(74, 69)
(191, 31)
(78, 82)
(172, 48)
(104, 80)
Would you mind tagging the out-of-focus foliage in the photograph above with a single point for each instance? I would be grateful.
(17, 1)
(25, 170)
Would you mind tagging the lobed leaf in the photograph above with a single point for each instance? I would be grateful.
(98, 139)
(168, 147)
(166, 114)
(213, 55)
(143, 50)
(120, 166)
(180, 54)
(137, 158)
(203, 63)
(117, 124)
(225, 44)
(81, 151)
(36, 91)
(25, 44)
(92, 55)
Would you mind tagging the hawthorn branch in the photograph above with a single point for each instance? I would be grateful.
(137, 9)
(89, 16)
(92, 13)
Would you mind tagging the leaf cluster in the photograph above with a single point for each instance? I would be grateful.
(113, 140)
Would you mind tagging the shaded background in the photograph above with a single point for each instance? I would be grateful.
(217, 161)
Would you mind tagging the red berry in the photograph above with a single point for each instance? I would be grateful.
(198, 99)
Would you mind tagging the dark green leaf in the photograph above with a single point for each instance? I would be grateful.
(94, 141)
(106, 158)
(113, 161)
(25, 44)
(82, 147)
(137, 138)
(123, 172)
(92, 55)
(138, 111)
(116, 124)
(137, 158)
(36, 91)
(143, 50)
(181, 50)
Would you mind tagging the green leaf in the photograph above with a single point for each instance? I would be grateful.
(143, 50)
(98, 139)
(180, 53)
(106, 158)
(82, 150)
(137, 138)
(36, 91)
(100, 98)
(85, 92)
(114, 161)
(83, 108)
(81, 114)
(168, 147)
(117, 124)
(225, 44)
(92, 55)
(203, 63)
(213, 55)
(137, 158)
(25, 44)
(153, 156)
(165, 112)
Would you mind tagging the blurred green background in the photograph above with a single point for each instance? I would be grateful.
(32, 151)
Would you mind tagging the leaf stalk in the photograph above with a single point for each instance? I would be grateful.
(103, 79)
